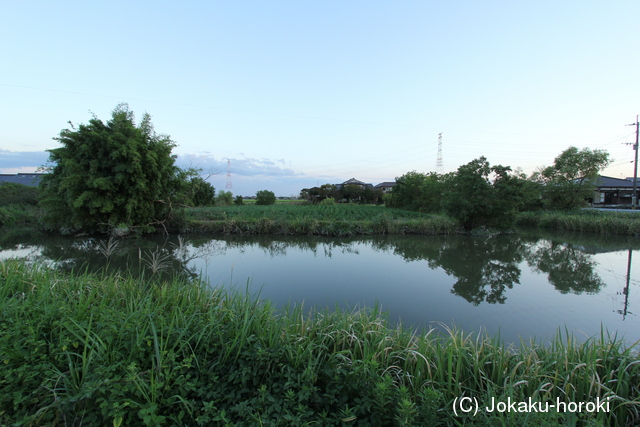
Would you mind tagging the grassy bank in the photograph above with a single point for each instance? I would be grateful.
(108, 350)
(331, 220)
(623, 223)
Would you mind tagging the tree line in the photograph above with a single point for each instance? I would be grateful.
(119, 175)
(350, 193)
(479, 194)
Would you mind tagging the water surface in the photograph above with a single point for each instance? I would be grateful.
(521, 286)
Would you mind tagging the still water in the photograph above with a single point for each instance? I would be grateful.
(525, 286)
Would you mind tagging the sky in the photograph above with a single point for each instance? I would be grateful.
(293, 94)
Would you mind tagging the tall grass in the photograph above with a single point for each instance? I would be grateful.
(91, 349)
(586, 221)
(325, 220)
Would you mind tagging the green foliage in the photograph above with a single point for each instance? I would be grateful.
(327, 220)
(328, 190)
(194, 190)
(18, 194)
(224, 198)
(265, 197)
(328, 201)
(238, 201)
(106, 174)
(418, 191)
(572, 178)
(318, 194)
(5, 217)
(90, 349)
(352, 193)
(623, 223)
(475, 201)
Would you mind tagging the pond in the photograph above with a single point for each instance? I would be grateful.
(526, 285)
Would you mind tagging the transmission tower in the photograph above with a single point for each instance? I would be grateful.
(439, 165)
(229, 186)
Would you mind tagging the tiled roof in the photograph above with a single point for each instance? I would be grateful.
(386, 184)
(353, 181)
(607, 181)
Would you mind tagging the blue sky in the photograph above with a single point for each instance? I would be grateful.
(300, 93)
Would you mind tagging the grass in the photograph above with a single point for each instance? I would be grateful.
(330, 220)
(97, 349)
(623, 223)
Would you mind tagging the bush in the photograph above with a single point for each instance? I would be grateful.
(328, 201)
(238, 201)
(18, 194)
(265, 197)
(224, 198)
(108, 173)
(5, 217)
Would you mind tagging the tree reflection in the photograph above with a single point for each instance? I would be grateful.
(165, 258)
(487, 266)
(568, 269)
(484, 267)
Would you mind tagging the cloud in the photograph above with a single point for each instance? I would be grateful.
(22, 161)
(248, 174)
(245, 166)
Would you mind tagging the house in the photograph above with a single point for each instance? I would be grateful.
(385, 187)
(613, 191)
(30, 179)
(354, 181)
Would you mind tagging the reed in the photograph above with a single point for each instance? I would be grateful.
(98, 349)
(585, 221)
(323, 220)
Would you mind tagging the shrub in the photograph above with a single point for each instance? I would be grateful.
(5, 217)
(110, 173)
(224, 198)
(238, 201)
(265, 197)
(328, 201)
(18, 194)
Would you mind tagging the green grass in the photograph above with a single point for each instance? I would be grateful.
(624, 223)
(328, 220)
(91, 349)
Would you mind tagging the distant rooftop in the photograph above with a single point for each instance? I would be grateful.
(386, 184)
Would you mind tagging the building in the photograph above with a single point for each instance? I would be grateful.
(613, 191)
(354, 181)
(385, 187)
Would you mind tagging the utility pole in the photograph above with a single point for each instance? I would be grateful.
(634, 196)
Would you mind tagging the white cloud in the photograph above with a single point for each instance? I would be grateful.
(21, 161)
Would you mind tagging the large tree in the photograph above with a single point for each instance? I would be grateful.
(571, 180)
(113, 175)
(480, 195)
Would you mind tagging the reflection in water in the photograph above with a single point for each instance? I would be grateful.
(487, 266)
(519, 281)
(625, 291)
(484, 267)
(568, 268)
